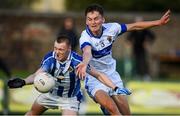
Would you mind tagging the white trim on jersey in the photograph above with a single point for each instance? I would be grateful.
(53, 56)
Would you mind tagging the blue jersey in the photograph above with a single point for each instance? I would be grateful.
(68, 84)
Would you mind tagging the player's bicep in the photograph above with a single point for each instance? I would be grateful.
(131, 27)
(40, 70)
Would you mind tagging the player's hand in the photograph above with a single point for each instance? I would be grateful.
(120, 91)
(165, 18)
(16, 83)
(81, 70)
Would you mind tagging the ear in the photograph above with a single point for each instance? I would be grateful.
(86, 22)
(69, 48)
(103, 19)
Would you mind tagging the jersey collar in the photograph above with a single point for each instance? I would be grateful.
(67, 60)
(67, 63)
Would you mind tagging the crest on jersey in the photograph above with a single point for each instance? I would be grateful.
(70, 69)
(109, 38)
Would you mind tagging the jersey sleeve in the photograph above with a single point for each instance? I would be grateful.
(84, 40)
(46, 66)
(120, 28)
(47, 63)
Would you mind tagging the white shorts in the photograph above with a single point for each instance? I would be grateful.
(92, 85)
(55, 102)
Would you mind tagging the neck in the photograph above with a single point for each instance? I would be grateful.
(97, 33)
(63, 60)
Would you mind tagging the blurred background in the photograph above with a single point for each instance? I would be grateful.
(28, 29)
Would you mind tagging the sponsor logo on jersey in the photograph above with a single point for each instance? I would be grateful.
(61, 77)
(70, 69)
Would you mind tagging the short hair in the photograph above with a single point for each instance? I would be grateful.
(63, 38)
(94, 7)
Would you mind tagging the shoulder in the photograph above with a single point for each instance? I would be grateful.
(115, 28)
(84, 34)
(114, 25)
(85, 39)
(111, 25)
(76, 56)
(49, 56)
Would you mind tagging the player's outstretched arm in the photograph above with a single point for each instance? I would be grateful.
(81, 67)
(115, 90)
(30, 79)
(105, 80)
(18, 82)
(147, 24)
(101, 77)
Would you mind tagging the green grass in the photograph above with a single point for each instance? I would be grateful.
(92, 107)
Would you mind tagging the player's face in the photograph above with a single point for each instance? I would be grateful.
(61, 51)
(94, 20)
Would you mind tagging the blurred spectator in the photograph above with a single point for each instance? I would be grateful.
(69, 29)
(5, 100)
(4, 68)
(140, 41)
(3, 65)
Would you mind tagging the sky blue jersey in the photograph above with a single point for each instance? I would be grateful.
(68, 84)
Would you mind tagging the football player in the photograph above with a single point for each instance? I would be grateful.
(96, 43)
(61, 64)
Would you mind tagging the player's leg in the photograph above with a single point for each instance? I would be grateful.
(99, 93)
(107, 102)
(66, 112)
(70, 106)
(36, 109)
(120, 100)
(122, 104)
(105, 112)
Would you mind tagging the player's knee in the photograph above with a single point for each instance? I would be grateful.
(112, 109)
(29, 113)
